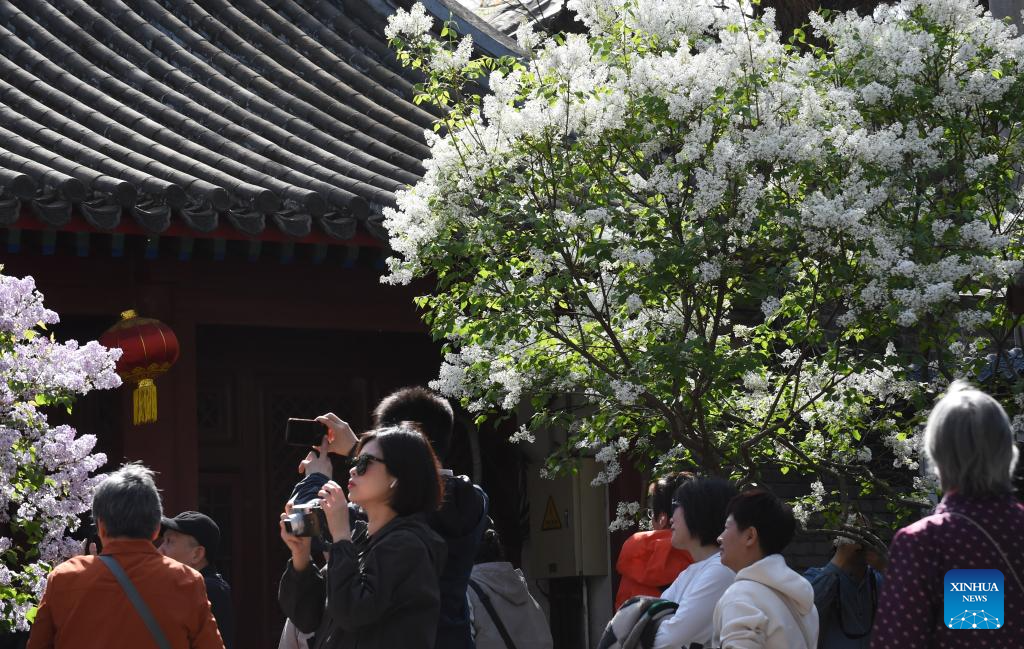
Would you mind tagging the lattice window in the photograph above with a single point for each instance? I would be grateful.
(215, 411)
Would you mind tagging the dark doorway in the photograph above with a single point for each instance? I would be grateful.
(249, 381)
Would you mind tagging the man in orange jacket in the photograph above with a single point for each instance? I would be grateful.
(86, 606)
(647, 562)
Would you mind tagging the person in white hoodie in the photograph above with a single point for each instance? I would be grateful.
(768, 606)
(500, 604)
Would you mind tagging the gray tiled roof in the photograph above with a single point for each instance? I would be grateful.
(287, 114)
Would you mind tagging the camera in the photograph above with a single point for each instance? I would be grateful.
(306, 520)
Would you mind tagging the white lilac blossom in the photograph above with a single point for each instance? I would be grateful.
(526, 37)
(609, 457)
(450, 61)
(625, 516)
(625, 392)
(523, 434)
(36, 370)
(413, 24)
(709, 271)
(755, 382)
(807, 506)
(678, 206)
(770, 305)
(802, 514)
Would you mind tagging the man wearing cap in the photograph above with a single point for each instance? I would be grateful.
(192, 538)
(130, 595)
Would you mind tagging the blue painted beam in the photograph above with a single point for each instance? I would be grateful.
(82, 244)
(287, 252)
(185, 247)
(152, 250)
(14, 240)
(49, 241)
(117, 245)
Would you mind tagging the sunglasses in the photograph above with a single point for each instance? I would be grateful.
(362, 463)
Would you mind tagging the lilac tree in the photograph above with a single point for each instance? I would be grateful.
(732, 249)
(45, 471)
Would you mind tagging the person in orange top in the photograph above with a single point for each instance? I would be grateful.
(84, 605)
(647, 562)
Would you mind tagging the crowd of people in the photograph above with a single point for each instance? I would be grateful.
(403, 555)
(738, 592)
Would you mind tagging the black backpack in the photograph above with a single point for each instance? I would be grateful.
(636, 622)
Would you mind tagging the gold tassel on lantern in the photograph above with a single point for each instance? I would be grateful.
(148, 349)
(144, 401)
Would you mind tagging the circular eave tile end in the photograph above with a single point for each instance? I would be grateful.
(22, 186)
(266, 202)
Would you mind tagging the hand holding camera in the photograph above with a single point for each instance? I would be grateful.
(300, 546)
(335, 508)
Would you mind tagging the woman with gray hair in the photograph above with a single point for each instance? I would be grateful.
(969, 445)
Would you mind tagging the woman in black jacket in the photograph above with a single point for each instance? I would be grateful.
(379, 589)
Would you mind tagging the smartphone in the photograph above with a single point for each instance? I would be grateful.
(92, 539)
(304, 432)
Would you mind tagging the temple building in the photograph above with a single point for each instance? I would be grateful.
(222, 166)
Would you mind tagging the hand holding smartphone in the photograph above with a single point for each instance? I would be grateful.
(304, 432)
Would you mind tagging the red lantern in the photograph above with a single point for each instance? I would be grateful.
(149, 348)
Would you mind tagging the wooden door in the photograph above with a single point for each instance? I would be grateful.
(246, 471)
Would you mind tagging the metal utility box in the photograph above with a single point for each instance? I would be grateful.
(568, 525)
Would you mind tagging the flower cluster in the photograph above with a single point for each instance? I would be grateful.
(412, 25)
(730, 253)
(46, 472)
(625, 516)
(609, 456)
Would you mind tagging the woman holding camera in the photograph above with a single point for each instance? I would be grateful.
(379, 588)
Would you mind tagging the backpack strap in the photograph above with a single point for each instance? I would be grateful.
(999, 548)
(485, 599)
(136, 599)
(635, 624)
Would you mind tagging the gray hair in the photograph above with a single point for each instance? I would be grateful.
(969, 443)
(128, 503)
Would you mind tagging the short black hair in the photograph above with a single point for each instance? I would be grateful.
(490, 547)
(764, 511)
(705, 501)
(431, 412)
(664, 489)
(409, 458)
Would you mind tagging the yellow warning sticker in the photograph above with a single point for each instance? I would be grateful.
(552, 521)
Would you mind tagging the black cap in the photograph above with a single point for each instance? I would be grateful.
(199, 526)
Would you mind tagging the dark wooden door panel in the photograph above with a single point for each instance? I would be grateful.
(249, 381)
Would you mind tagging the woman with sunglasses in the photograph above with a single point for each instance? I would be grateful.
(699, 510)
(380, 586)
